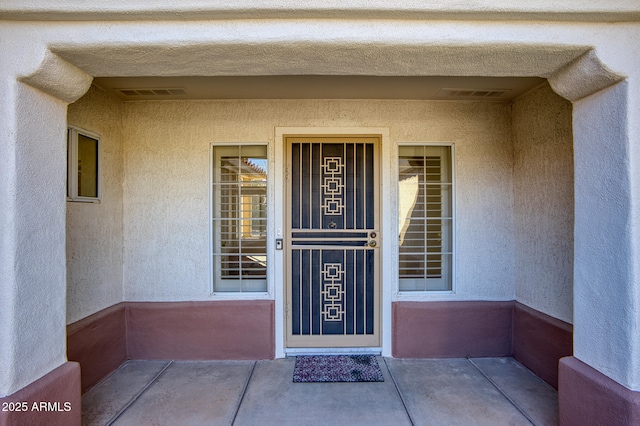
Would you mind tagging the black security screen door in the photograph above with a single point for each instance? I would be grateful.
(333, 232)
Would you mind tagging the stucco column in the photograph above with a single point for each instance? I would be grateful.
(601, 383)
(32, 233)
(605, 268)
(606, 232)
(33, 294)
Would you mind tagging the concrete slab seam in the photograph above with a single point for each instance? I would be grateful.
(244, 391)
(105, 378)
(404, 404)
(139, 394)
(495, 385)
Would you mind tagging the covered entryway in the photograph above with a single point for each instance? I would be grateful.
(55, 66)
(333, 290)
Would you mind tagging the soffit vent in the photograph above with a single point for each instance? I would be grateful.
(473, 93)
(137, 93)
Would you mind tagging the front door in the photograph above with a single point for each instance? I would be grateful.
(333, 238)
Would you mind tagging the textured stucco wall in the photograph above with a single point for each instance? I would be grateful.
(607, 286)
(166, 191)
(543, 187)
(32, 255)
(94, 230)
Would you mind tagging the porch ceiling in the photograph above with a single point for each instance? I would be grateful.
(496, 89)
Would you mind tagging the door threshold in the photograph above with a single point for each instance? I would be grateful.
(332, 351)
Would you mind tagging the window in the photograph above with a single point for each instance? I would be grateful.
(83, 151)
(239, 218)
(425, 187)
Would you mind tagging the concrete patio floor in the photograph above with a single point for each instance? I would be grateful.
(476, 391)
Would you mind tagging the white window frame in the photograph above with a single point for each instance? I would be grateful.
(72, 165)
(427, 294)
(241, 295)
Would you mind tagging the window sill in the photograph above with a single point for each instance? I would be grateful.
(240, 296)
(420, 296)
(84, 200)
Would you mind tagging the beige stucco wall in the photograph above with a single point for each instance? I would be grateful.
(94, 230)
(544, 217)
(166, 191)
(148, 239)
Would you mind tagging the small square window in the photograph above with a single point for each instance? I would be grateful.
(83, 165)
